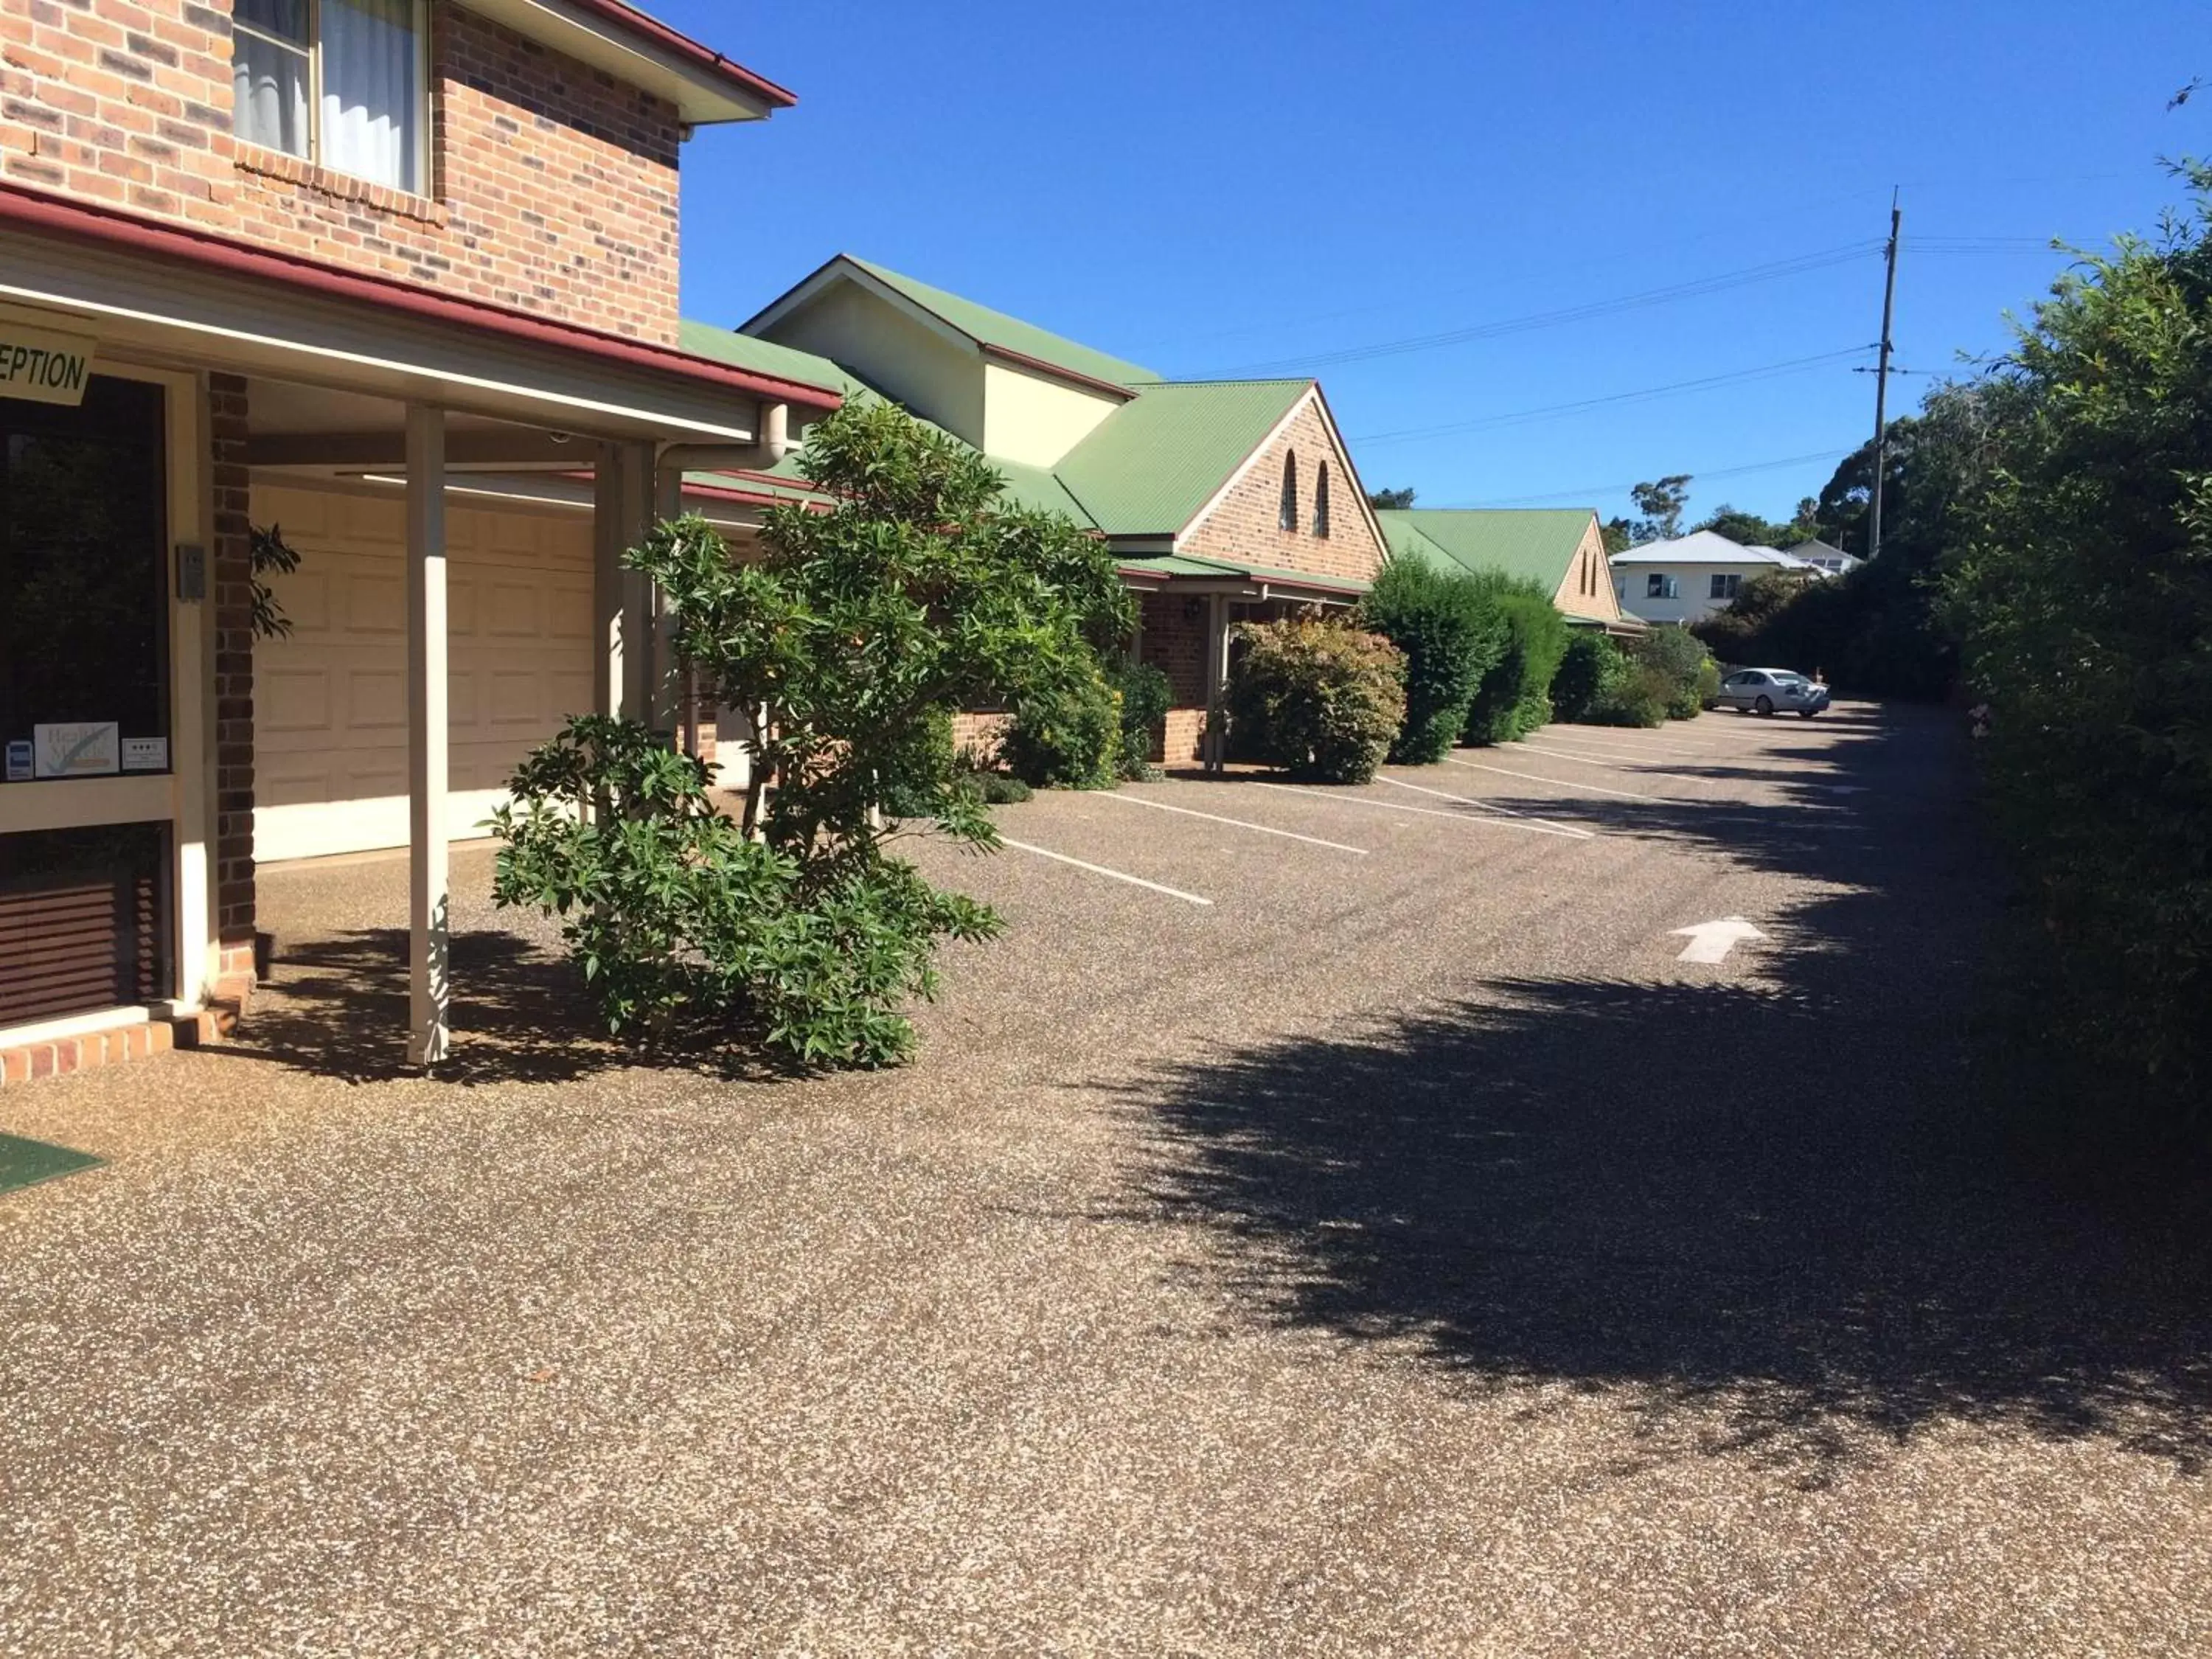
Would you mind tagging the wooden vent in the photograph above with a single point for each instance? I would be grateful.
(77, 939)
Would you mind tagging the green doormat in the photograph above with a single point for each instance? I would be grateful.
(27, 1162)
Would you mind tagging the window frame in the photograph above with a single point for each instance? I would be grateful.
(424, 105)
(1286, 513)
(1725, 584)
(1321, 503)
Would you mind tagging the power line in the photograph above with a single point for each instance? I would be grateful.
(1764, 372)
(1773, 271)
(1578, 495)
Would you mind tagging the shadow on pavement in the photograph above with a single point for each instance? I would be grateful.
(1766, 1212)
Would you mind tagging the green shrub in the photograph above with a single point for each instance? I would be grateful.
(1452, 633)
(979, 779)
(1680, 657)
(681, 924)
(1514, 697)
(915, 770)
(1590, 666)
(1146, 695)
(1321, 699)
(1068, 737)
(1636, 696)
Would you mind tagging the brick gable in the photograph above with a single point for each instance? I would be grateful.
(552, 186)
(1245, 527)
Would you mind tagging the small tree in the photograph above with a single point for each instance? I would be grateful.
(1686, 669)
(917, 591)
(1452, 632)
(1318, 698)
(1515, 697)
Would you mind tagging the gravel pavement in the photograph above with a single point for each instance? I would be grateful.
(1402, 1253)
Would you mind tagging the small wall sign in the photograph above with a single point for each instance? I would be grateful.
(77, 748)
(19, 760)
(145, 754)
(38, 366)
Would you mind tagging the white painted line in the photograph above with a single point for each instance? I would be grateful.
(1584, 760)
(1101, 870)
(1593, 738)
(1241, 824)
(1476, 800)
(1586, 752)
(1556, 783)
(1425, 811)
(1711, 941)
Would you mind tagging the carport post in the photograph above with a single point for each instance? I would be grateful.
(668, 683)
(1217, 679)
(609, 540)
(636, 524)
(428, 984)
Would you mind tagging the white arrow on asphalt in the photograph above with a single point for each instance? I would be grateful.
(1711, 941)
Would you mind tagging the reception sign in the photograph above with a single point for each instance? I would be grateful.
(38, 366)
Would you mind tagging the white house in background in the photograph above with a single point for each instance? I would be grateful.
(1690, 577)
(1833, 560)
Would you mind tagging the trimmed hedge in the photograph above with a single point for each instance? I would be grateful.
(1320, 699)
(1452, 633)
(1070, 739)
(1514, 697)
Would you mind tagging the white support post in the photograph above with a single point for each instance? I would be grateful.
(1216, 752)
(668, 680)
(610, 541)
(429, 984)
(637, 666)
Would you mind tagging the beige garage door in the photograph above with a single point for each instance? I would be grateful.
(330, 700)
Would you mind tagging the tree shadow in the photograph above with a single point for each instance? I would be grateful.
(337, 1006)
(1779, 1216)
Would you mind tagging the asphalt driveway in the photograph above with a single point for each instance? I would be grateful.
(1331, 1222)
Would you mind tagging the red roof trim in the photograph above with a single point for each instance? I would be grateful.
(35, 210)
(631, 20)
(1054, 369)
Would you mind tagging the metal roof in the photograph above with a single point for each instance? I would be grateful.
(1149, 466)
(994, 328)
(1709, 547)
(1532, 543)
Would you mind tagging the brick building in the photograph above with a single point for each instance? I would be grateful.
(1226, 501)
(399, 276)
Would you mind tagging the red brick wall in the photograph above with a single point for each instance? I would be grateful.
(1174, 642)
(552, 186)
(1245, 527)
(979, 731)
(231, 589)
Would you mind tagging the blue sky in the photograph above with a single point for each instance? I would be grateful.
(1231, 189)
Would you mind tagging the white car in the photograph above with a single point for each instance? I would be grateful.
(1769, 690)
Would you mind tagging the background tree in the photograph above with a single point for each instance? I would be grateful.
(1619, 534)
(1380, 500)
(1661, 504)
(1748, 529)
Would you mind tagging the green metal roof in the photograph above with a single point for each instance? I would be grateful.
(745, 351)
(1182, 564)
(1532, 543)
(994, 328)
(1150, 465)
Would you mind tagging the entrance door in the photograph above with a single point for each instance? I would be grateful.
(83, 700)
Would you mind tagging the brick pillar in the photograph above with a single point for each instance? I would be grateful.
(231, 588)
(1175, 644)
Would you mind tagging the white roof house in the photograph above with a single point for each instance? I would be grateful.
(1687, 579)
(1833, 560)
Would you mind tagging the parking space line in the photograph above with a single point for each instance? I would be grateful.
(1556, 783)
(1425, 811)
(1584, 760)
(1472, 800)
(1215, 817)
(1589, 739)
(1101, 870)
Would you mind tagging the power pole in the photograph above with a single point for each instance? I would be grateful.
(1881, 382)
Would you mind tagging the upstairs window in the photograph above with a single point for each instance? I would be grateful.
(1321, 503)
(342, 84)
(1656, 587)
(1287, 517)
(1724, 587)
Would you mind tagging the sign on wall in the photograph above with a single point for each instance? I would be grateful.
(77, 748)
(38, 366)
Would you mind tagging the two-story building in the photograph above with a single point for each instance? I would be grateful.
(398, 276)
(1688, 578)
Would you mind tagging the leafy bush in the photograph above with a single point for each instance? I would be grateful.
(1637, 696)
(1514, 697)
(1452, 633)
(977, 777)
(914, 770)
(917, 591)
(1680, 658)
(1066, 737)
(679, 921)
(2080, 590)
(1146, 696)
(1590, 666)
(1321, 699)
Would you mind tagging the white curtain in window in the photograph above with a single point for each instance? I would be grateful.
(371, 94)
(269, 82)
